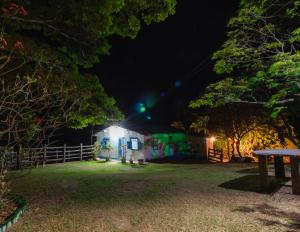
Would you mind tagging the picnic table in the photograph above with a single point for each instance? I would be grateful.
(278, 154)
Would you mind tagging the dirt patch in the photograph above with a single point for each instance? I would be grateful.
(70, 186)
(133, 186)
(6, 211)
(122, 223)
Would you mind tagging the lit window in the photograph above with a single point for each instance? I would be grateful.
(105, 143)
(134, 144)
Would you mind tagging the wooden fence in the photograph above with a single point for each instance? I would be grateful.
(215, 156)
(48, 155)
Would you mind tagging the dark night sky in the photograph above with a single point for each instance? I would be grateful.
(164, 53)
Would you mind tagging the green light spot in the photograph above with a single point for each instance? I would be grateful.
(143, 109)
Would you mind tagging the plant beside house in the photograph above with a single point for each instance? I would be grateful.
(107, 148)
(96, 149)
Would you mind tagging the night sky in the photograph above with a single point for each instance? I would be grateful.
(174, 53)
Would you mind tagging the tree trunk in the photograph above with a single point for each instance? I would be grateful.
(233, 148)
(294, 141)
(293, 131)
(92, 135)
(228, 149)
(238, 144)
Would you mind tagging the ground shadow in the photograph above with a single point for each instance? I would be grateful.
(253, 170)
(138, 165)
(268, 210)
(101, 161)
(250, 183)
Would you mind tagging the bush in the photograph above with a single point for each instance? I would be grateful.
(4, 190)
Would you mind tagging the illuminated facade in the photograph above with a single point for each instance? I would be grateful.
(117, 143)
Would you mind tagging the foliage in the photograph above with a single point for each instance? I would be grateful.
(236, 125)
(4, 188)
(79, 31)
(178, 125)
(45, 44)
(261, 138)
(261, 61)
(201, 124)
(45, 48)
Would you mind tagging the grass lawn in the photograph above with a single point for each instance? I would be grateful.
(94, 196)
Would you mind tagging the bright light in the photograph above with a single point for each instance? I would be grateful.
(213, 139)
(116, 132)
(143, 109)
(140, 107)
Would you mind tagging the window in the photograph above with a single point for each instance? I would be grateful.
(134, 144)
(105, 143)
(155, 144)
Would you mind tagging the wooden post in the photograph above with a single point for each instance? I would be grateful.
(44, 156)
(64, 155)
(295, 175)
(279, 167)
(81, 152)
(263, 171)
(19, 157)
(222, 156)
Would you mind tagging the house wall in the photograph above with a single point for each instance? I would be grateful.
(114, 141)
(135, 155)
(163, 145)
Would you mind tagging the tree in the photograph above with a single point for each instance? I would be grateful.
(233, 123)
(261, 59)
(79, 31)
(59, 39)
(46, 46)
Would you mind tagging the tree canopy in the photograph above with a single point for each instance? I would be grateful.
(61, 39)
(79, 31)
(47, 47)
(260, 61)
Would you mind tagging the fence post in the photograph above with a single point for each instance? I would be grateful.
(44, 156)
(19, 158)
(64, 156)
(81, 152)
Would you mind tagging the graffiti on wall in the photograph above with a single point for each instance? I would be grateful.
(163, 145)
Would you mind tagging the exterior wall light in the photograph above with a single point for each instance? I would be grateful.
(116, 132)
(213, 139)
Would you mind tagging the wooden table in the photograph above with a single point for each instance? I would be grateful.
(294, 155)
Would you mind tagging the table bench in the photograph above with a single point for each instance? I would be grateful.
(278, 154)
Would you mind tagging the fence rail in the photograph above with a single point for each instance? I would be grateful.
(47, 155)
(215, 156)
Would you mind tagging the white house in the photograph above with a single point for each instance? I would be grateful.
(117, 143)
